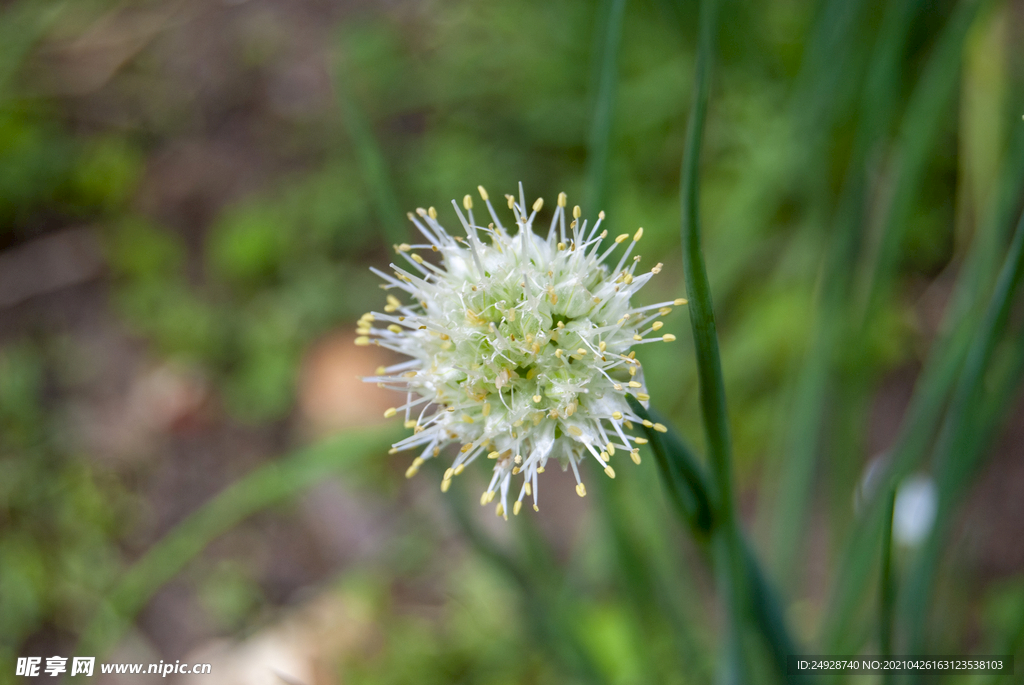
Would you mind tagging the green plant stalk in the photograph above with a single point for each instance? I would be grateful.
(606, 79)
(688, 489)
(726, 544)
(262, 488)
(954, 460)
(887, 584)
(645, 587)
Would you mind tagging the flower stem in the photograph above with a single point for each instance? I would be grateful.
(726, 543)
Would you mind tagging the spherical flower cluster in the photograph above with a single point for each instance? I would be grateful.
(520, 344)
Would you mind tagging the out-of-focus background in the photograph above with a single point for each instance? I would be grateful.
(192, 191)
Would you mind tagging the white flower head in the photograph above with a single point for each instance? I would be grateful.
(520, 344)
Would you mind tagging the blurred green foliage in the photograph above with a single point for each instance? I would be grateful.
(853, 157)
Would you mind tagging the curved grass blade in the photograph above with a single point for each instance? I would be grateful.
(264, 487)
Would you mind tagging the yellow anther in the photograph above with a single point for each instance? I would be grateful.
(390, 412)
(635, 456)
(665, 311)
(640, 441)
(575, 430)
(577, 212)
(604, 455)
(411, 423)
(642, 396)
(467, 418)
(515, 470)
(637, 337)
(657, 325)
(581, 352)
(647, 423)
(467, 202)
(610, 448)
(679, 302)
(363, 331)
(660, 428)
(499, 510)
(600, 215)
(459, 469)
(483, 193)
(493, 455)
(622, 238)
(381, 370)
(405, 247)
(561, 247)
(668, 337)
(632, 371)
(483, 498)
(536, 399)
(395, 328)
(392, 451)
(562, 198)
(414, 467)
(617, 386)
(540, 469)
(433, 213)
(467, 447)
(416, 258)
(486, 411)
(518, 459)
(602, 346)
(581, 489)
(609, 471)
(528, 489)
(538, 204)
(362, 341)
(617, 415)
(516, 508)
(449, 473)
(639, 234)
(511, 201)
(445, 484)
(635, 384)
